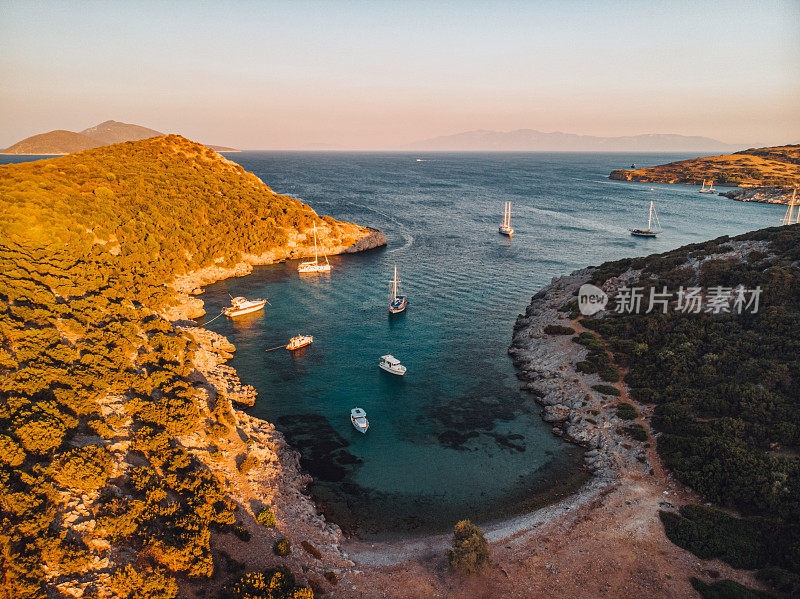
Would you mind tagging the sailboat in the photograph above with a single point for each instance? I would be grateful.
(790, 218)
(316, 265)
(505, 228)
(397, 302)
(649, 231)
(709, 189)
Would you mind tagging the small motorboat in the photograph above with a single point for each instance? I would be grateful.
(241, 305)
(505, 228)
(299, 341)
(359, 419)
(391, 364)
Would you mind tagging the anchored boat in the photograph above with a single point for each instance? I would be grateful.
(397, 302)
(299, 341)
(316, 265)
(505, 228)
(709, 189)
(391, 364)
(649, 231)
(241, 305)
(359, 419)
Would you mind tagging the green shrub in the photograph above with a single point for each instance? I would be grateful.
(607, 390)
(586, 367)
(636, 432)
(269, 584)
(247, 463)
(282, 547)
(626, 411)
(265, 517)
(557, 329)
(470, 552)
(85, 468)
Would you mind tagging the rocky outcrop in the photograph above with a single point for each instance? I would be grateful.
(766, 195)
(546, 363)
(777, 166)
(343, 238)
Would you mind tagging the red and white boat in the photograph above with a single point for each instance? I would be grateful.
(299, 341)
(241, 305)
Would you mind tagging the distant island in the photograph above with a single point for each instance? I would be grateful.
(764, 174)
(531, 140)
(61, 141)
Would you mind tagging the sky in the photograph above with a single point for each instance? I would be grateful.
(379, 75)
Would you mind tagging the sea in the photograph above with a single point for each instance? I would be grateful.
(455, 437)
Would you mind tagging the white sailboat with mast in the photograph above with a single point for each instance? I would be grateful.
(316, 265)
(397, 302)
(505, 228)
(649, 231)
(790, 218)
(709, 189)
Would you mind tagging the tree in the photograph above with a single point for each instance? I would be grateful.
(470, 552)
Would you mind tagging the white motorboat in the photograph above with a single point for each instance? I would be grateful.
(359, 419)
(241, 305)
(316, 265)
(391, 364)
(505, 228)
(299, 341)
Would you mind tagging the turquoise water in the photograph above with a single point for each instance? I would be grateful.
(455, 437)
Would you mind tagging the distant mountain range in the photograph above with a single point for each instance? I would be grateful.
(528, 140)
(104, 134)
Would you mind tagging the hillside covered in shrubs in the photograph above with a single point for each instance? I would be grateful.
(726, 389)
(772, 166)
(88, 243)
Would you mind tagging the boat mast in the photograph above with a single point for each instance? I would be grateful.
(650, 217)
(394, 284)
(789, 217)
(316, 256)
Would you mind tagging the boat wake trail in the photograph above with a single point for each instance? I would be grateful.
(401, 228)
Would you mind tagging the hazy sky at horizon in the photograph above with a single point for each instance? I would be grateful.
(369, 75)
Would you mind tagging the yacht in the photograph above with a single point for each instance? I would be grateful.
(649, 231)
(505, 228)
(709, 189)
(316, 265)
(359, 419)
(241, 305)
(397, 302)
(391, 364)
(299, 341)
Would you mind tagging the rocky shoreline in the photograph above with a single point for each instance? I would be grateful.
(348, 239)
(764, 195)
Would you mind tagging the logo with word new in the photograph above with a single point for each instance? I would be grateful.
(591, 299)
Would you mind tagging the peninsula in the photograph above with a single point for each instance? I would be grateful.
(763, 174)
(61, 141)
(125, 464)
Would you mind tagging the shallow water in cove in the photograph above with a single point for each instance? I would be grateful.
(455, 437)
